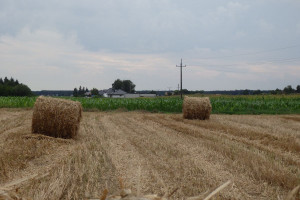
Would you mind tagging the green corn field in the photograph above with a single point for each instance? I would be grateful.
(269, 104)
(17, 102)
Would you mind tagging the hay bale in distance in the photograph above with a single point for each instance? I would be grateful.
(196, 108)
(56, 117)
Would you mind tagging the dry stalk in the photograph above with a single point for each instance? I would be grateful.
(293, 194)
(216, 191)
(172, 192)
(14, 183)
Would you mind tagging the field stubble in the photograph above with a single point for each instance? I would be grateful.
(156, 153)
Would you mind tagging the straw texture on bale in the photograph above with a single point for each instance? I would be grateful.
(56, 117)
(196, 108)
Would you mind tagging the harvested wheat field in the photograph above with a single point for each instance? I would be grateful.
(152, 154)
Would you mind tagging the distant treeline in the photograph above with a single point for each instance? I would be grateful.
(11, 87)
(54, 92)
(80, 92)
(287, 90)
(239, 92)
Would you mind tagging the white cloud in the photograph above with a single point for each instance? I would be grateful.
(60, 62)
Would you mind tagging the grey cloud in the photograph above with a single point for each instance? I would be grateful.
(157, 26)
(70, 33)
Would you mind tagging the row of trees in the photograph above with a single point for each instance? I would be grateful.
(81, 91)
(11, 87)
(129, 87)
(185, 91)
(287, 90)
(9, 82)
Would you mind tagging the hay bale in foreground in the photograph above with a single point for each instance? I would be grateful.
(56, 117)
(196, 108)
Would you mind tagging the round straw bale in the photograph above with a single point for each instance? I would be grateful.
(196, 108)
(56, 117)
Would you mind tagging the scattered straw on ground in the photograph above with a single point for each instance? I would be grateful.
(154, 154)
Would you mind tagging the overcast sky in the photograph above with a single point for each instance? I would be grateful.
(226, 44)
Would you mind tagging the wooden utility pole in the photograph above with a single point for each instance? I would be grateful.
(181, 77)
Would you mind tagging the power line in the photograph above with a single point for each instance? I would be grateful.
(257, 52)
(281, 60)
(284, 60)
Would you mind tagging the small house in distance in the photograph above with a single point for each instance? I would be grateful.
(112, 93)
(117, 94)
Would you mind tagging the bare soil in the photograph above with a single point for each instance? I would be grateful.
(152, 154)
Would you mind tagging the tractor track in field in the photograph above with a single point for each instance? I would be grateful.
(285, 148)
(153, 153)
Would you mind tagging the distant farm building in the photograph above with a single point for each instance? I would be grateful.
(122, 94)
(112, 93)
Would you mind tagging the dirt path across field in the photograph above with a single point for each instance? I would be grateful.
(153, 154)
